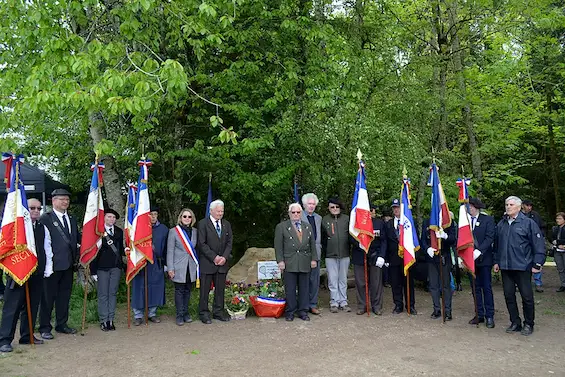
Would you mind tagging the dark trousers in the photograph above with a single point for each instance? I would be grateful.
(483, 291)
(56, 291)
(182, 295)
(15, 307)
(219, 289)
(457, 274)
(398, 284)
(375, 278)
(2, 286)
(436, 288)
(292, 282)
(521, 279)
(314, 287)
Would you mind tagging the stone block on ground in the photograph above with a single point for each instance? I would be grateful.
(245, 270)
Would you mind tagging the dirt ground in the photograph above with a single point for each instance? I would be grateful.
(342, 344)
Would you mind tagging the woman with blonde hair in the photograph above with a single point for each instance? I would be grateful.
(182, 262)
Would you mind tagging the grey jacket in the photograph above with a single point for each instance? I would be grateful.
(177, 257)
(318, 222)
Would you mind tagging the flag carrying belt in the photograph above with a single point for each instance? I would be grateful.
(190, 250)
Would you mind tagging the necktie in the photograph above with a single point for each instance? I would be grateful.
(66, 224)
(218, 229)
(473, 218)
(111, 231)
(297, 224)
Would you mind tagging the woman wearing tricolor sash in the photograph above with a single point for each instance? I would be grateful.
(182, 262)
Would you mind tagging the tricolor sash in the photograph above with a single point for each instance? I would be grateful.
(185, 240)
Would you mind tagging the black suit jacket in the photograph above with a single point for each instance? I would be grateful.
(392, 245)
(425, 241)
(106, 257)
(65, 254)
(484, 235)
(210, 246)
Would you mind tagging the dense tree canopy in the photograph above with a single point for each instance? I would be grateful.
(264, 92)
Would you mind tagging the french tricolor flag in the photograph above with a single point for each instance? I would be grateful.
(465, 242)
(18, 256)
(439, 215)
(408, 243)
(135, 260)
(360, 222)
(141, 227)
(93, 224)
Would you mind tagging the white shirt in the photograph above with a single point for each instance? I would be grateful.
(215, 223)
(396, 222)
(48, 253)
(109, 229)
(60, 217)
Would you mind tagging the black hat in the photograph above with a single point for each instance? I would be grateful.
(110, 210)
(527, 202)
(476, 202)
(395, 203)
(336, 201)
(374, 207)
(60, 192)
(154, 209)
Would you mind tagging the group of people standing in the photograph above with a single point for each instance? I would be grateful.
(200, 252)
(515, 246)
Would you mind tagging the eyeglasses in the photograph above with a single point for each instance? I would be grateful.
(35, 208)
(334, 207)
(295, 212)
(186, 216)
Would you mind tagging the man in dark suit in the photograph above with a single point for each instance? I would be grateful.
(295, 250)
(396, 265)
(484, 231)
(57, 288)
(106, 270)
(15, 304)
(214, 251)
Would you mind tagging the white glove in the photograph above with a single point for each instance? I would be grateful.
(380, 262)
(476, 253)
(460, 262)
(431, 251)
(94, 277)
(441, 234)
(46, 274)
(165, 268)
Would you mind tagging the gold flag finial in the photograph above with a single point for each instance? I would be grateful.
(359, 154)
(404, 172)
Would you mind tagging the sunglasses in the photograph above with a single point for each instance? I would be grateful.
(295, 212)
(186, 217)
(334, 207)
(36, 208)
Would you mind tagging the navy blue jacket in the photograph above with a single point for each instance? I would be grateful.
(377, 248)
(425, 241)
(484, 234)
(520, 245)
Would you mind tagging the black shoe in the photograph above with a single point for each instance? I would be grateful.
(527, 330)
(304, 317)
(6, 348)
(289, 318)
(397, 310)
(35, 341)
(436, 314)
(515, 327)
(223, 317)
(490, 323)
(474, 321)
(47, 335)
(110, 325)
(448, 316)
(206, 320)
(539, 289)
(377, 311)
(560, 289)
(66, 330)
(103, 326)
(180, 320)
(137, 321)
(413, 311)
(187, 318)
(459, 287)
(155, 319)
(361, 312)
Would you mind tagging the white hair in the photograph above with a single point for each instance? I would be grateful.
(309, 196)
(294, 205)
(514, 198)
(216, 203)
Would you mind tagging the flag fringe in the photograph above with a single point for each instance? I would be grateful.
(14, 277)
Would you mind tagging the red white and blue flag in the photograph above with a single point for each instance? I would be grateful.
(93, 224)
(141, 228)
(18, 256)
(439, 215)
(465, 242)
(408, 243)
(135, 260)
(360, 222)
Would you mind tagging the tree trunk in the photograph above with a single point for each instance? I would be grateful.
(554, 158)
(440, 134)
(112, 183)
(458, 64)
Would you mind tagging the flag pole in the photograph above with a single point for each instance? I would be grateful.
(29, 320)
(146, 299)
(408, 292)
(473, 277)
(367, 289)
(129, 306)
(442, 284)
(86, 278)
